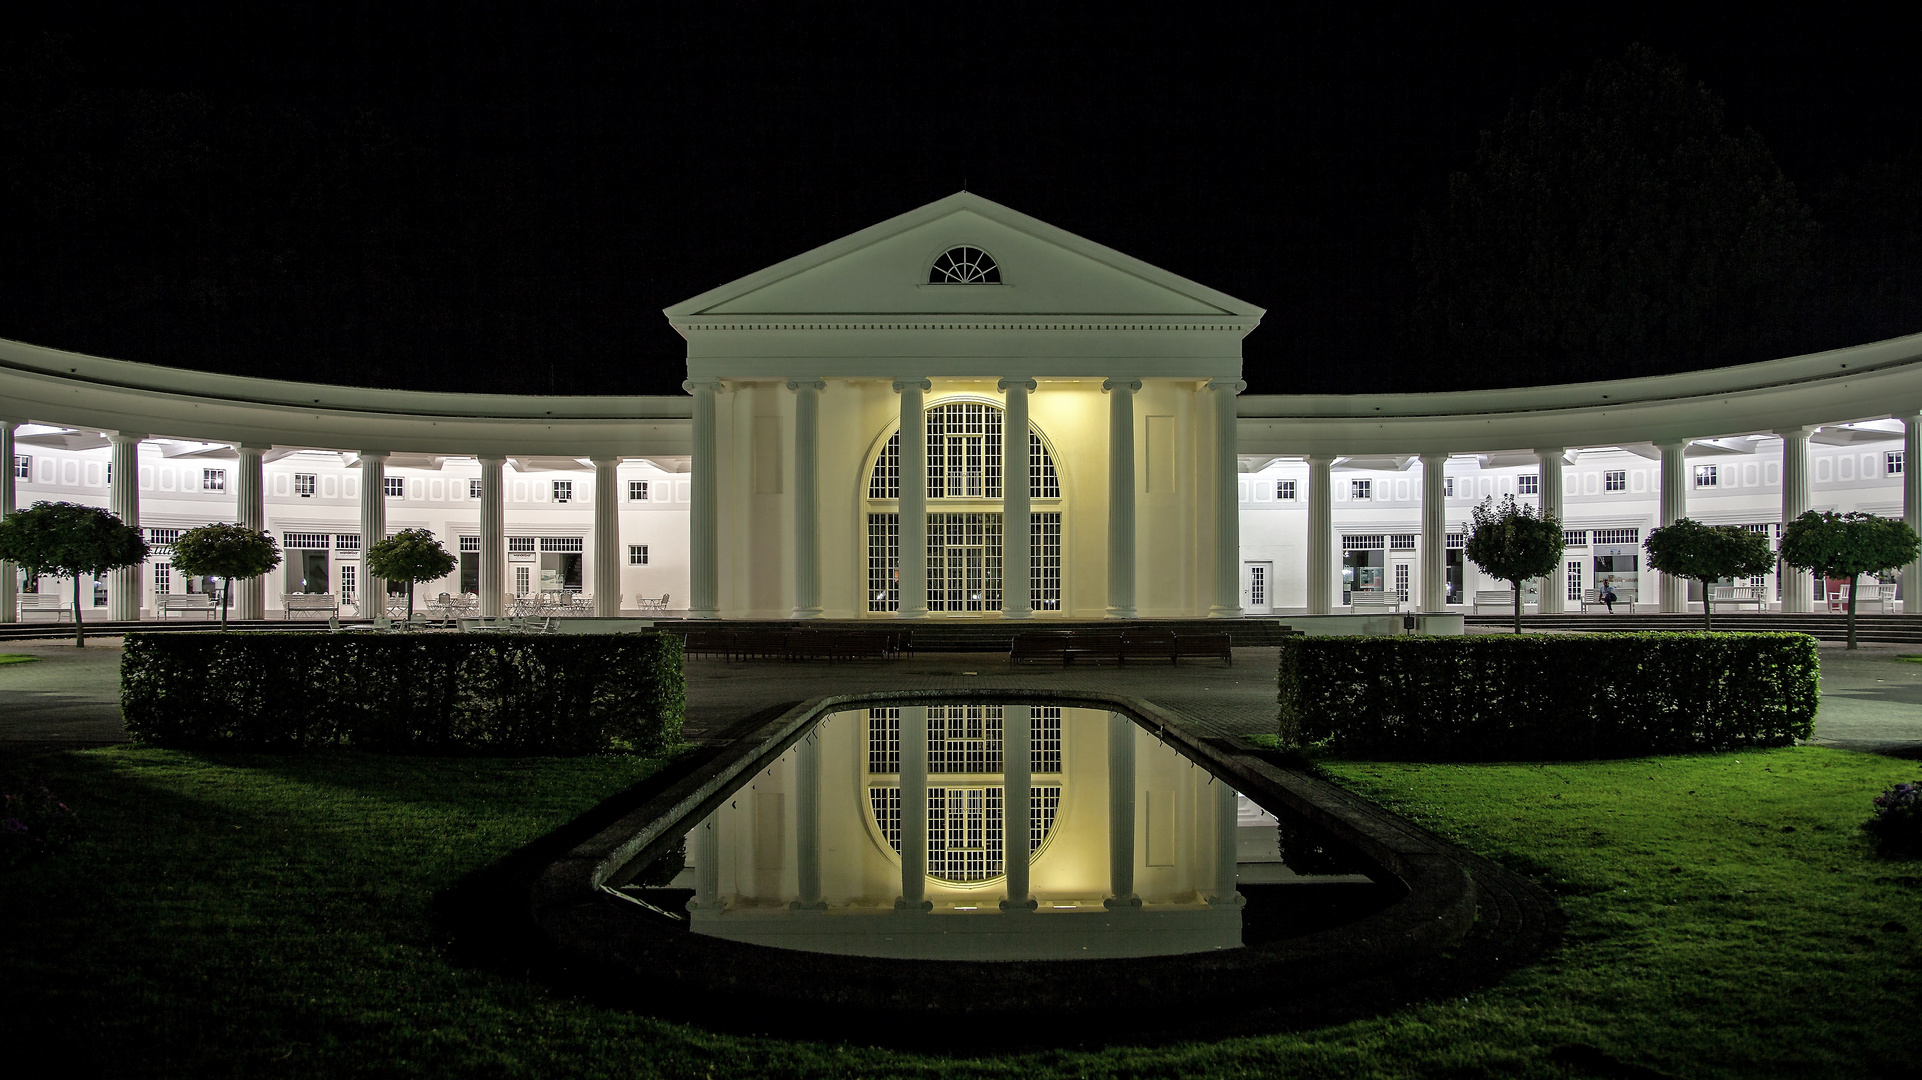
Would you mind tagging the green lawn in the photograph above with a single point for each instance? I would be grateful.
(262, 916)
(16, 658)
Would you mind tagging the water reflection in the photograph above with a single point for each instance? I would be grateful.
(982, 832)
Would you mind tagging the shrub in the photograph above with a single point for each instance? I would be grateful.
(1538, 697)
(32, 822)
(405, 693)
(1897, 821)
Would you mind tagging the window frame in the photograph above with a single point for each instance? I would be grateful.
(637, 555)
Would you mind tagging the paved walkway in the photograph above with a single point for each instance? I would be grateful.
(68, 698)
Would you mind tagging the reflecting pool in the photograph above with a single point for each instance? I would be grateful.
(992, 831)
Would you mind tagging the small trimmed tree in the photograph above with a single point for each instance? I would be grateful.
(67, 540)
(1708, 553)
(1847, 546)
(410, 555)
(226, 552)
(1514, 542)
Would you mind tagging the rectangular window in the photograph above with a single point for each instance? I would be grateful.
(637, 554)
(1704, 476)
(394, 486)
(474, 488)
(1285, 490)
(304, 484)
(306, 541)
(23, 466)
(964, 562)
(884, 562)
(470, 544)
(163, 579)
(1891, 463)
(1361, 489)
(562, 544)
(213, 479)
(520, 545)
(346, 541)
(637, 491)
(1604, 537)
(1365, 542)
(563, 491)
(1043, 481)
(1575, 537)
(1615, 480)
(1044, 739)
(1528, 484)
(964, 739)
(884, 741)
(1448, 487)
(1401, 542)
(1456, 541)
(1044, 562)
(163, 538)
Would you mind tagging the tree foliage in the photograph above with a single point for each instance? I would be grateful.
(1614, 224)
(67, 540)
(410, 555)
(1847, 546)
(1514, 542)
(227, 552)
(1708, 553)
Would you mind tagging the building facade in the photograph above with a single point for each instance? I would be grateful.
(961, 412)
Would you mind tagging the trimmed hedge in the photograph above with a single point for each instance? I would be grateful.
(497, 694)
(1546, 696)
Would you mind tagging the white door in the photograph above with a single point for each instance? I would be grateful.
(1257, 588)
(1399, 578)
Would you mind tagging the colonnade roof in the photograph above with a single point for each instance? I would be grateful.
(1863, 382)
(69, 389)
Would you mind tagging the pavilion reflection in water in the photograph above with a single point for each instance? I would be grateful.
(980, 831)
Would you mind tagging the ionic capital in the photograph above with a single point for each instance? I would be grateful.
(1130, 385)
(807, 384)
(1233, 386)
(691, 385)
(1025, 384)
(922, 385)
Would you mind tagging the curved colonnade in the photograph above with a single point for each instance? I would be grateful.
(89, 404)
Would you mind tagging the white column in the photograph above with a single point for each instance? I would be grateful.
(1121, 496)
(704, 528)
(493, 540)
(1673, 590)
(1017, 798)
(9, 575)
(807, 821)
(123, 497)
(1321, 535)
(1796, 585)
(807, 496)
(1434, 533)
(913, 505)
(914, 808)
(373, 529)
(1016, 518)
(1227, 821)
(1911, 505)
(607, 538)
(707, 863)
(1227, 469)
(1121, 813)
(1553, 593)
(250, 511)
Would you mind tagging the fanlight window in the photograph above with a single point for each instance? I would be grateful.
(964, 457)
(964, 266)
(965, 818)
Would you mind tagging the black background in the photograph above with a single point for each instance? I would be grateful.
(495, 198)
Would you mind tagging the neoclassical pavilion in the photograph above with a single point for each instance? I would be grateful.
(859, 424)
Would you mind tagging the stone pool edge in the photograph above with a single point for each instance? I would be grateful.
(1445, 887)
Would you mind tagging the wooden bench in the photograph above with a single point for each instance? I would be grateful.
(1495, 598)
(1868, 592)
(1737, 595)
(1153, 645)
(1040, 645)
(62, 609)
(1374, 603)
(1205, 647)
(201, 602)
(318, 603)
(1593, 598)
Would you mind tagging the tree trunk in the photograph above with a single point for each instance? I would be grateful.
(1708, 607)
(79, 632)
(1517, 587)
(1853, 578)
(226, 595)
(410, 602)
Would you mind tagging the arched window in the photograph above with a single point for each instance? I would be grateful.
(964, 457)
(964, 266)
(965, 819)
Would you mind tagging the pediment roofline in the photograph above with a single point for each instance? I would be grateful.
(1231, 309)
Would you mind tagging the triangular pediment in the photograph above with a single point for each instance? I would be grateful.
(1045, 271)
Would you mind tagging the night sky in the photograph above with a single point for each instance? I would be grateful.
(437, 197)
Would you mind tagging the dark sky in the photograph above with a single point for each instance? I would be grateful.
(503, 198)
